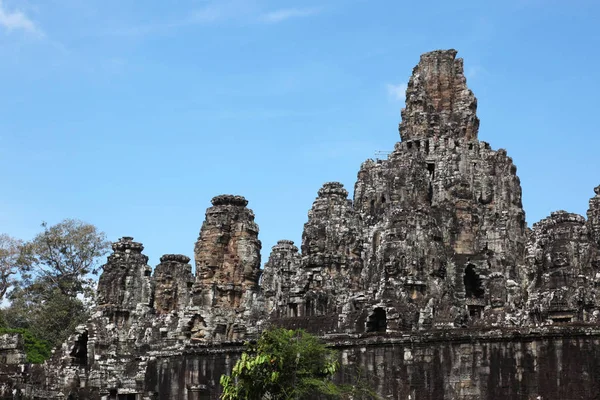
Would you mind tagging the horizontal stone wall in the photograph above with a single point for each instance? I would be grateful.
(191, 376)
(500, 365)
(504, 364)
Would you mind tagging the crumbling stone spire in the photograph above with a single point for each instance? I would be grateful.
(125, 282)
(330, 235)
(227, 257)
(560, 255)
(593, 216)
(438, 101)
(228, 252)
(278, 283)
(331, 249)
(173, 279)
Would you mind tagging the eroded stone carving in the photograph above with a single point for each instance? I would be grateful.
(173, 280)
(438, 101)
(227, 257)
(593, 216)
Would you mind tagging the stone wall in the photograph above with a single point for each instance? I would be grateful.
(560, 364)
(496, 365)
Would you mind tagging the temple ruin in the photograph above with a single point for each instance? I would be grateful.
(429, 280)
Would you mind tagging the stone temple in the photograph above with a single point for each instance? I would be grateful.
(428, 282)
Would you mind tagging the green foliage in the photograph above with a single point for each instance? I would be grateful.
(46, 313)
(65, 255)
(47, 277)
(36, 350)
(10, 251)
(284, 364)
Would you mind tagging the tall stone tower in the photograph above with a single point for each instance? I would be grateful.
(593, 216)
(438, 101)
(227, 257)
(125, 285)
(435, 234)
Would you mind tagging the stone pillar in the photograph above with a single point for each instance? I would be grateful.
(12, 350)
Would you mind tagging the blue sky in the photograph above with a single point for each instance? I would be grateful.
(132, 115)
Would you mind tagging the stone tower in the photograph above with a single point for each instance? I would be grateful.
(173, 281)
(227, 257)
(125, 285)
(438, 101)
(435, 232)
(593, 215)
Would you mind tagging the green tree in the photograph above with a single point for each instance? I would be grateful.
(46, 312)
(285, 364)
(36, 350)
(10, 251)
(55, 269)
(65, 256)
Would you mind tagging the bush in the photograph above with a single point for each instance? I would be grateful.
(284, 365)
(36, 350)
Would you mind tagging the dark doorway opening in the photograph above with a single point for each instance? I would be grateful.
(475, 311)
(431, 170)
(473, 284)
(79, 353)
(377, 321)
(293, 309)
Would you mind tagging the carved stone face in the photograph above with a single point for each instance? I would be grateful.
(553, 254)
(391, 269)
(497, 290)
(560, 256)
(207, 272)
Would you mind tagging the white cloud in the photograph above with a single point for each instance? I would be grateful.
(211, 13)
(288, 13)
(16, 20)
(396, 92)
(214, 12)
